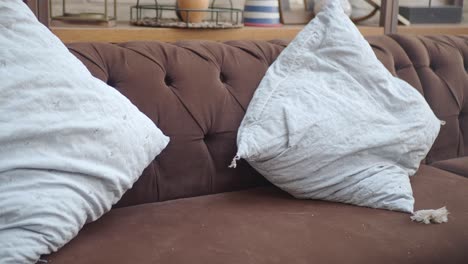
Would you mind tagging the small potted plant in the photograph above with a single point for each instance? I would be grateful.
(192, 16)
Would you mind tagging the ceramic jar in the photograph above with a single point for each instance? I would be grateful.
(261, 13)
(193, 16)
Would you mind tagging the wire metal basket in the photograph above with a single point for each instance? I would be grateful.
(156, 15)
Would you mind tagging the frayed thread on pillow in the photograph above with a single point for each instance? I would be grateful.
(437, 216)
(234, 162)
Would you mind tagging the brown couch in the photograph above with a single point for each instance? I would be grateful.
(188, 207)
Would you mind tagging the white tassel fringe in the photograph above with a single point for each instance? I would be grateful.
(431, 216)
(234, 162)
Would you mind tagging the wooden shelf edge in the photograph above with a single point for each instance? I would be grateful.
(124, 33)
(434, 29)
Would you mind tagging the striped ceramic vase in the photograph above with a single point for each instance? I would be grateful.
(262, 13)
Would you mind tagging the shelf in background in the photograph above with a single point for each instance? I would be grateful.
(431, 29)
(124, 32)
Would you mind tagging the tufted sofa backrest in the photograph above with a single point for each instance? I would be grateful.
(197, 93)
(437, 67)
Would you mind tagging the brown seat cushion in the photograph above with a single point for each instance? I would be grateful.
(265, 225)
(458, 166)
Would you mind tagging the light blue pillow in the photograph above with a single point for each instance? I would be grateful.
(70, 145)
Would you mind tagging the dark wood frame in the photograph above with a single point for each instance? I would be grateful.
(389, 16)
(295, 17)
(41, 9)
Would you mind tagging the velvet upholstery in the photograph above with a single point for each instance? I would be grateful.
(440, 63)
(457, 165)
(266, 225)
(197, 93)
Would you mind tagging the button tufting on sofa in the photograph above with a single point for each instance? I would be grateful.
(265, 225)
(111, 82)
(144, 71)
(222, 77)
(439, 64)
(206, 137)
(168, 80)
(433, 66)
